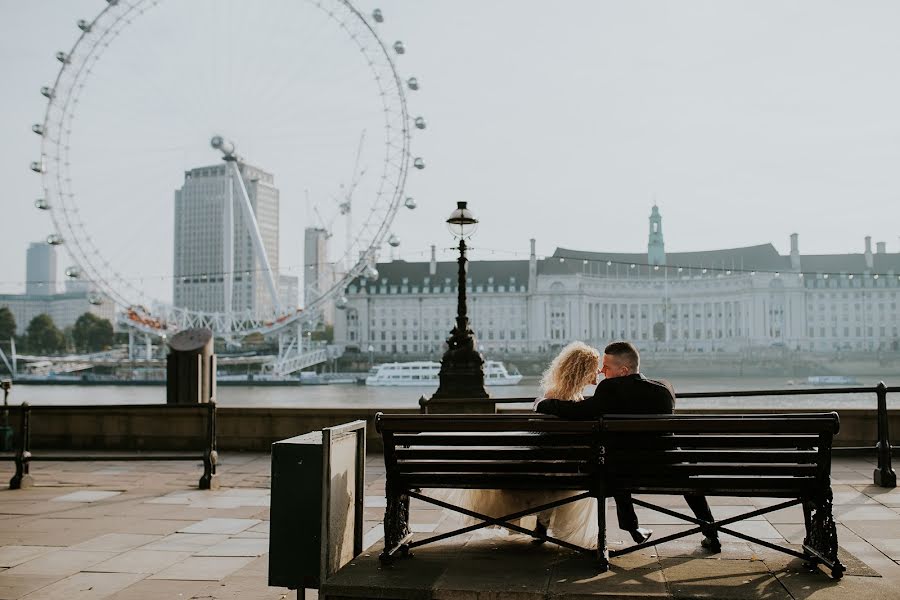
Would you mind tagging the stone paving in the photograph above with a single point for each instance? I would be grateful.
(142, 530)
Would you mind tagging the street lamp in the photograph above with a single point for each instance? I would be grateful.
(371, 350)
(462, 367)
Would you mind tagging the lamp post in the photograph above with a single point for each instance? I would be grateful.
(462, 367)
(371, 350)
(6, 433)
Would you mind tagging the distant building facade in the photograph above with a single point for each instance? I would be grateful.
(727, 300)
(64, 309)
(40, 269)
(199, 213)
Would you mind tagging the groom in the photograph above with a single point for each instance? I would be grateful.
(625, 391)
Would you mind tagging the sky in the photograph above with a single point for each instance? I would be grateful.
(564, 122)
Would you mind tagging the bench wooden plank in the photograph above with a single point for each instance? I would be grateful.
(575, 454)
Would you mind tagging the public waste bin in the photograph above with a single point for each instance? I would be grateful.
(318, 491)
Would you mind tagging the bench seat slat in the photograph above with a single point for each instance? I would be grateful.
(491, 481)
(528, 466)
(410, 424)
(625, 443)
(677, 455)
(494, 454)
(724, 424)
(690, 469)
(520, 439)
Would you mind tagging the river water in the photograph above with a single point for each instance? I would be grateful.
(350, 395)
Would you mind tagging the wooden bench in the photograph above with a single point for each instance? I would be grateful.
(777, 456)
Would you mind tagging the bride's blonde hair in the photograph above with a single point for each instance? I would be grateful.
(572, 369)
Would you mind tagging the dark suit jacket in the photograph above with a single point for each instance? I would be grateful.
(628, 395)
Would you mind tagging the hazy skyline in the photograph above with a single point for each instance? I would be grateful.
(744, 121)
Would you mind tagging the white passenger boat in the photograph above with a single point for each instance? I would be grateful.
(425, 373)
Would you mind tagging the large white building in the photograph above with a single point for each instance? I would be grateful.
(199, 241)
(726, 300)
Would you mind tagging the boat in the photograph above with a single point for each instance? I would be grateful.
(425, 373)
(831, 380)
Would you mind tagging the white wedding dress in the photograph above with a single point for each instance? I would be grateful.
(575, 522)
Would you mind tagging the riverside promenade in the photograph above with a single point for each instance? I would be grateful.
(132, 531)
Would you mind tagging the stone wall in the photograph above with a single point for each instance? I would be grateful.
(254, 429)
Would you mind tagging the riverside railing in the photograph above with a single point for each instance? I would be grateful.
(24, 455)
(883, 475)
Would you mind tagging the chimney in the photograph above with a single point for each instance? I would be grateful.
(795, 252)
(532, 269)
(432, 267)
(869, 262)
(880, 248)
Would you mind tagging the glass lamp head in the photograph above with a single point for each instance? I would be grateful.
(462, 223)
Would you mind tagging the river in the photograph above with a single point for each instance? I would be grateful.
(350, 395)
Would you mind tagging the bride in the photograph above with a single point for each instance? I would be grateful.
(576, 366)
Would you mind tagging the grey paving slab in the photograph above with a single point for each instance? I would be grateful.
(10, 556)
(866, 512)
(139, 561)
(13, 587)
(237, 547)
(631, 576)
(722, 579)
(85, 586)
(148, 589)
(217, 525)
(116, 542)
(60, 563)
(86, 496)
(203, 568)
(186, 542)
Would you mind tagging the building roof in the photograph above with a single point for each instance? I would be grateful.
(498, 272)
(567, 261)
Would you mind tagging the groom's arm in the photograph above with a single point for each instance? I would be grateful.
(568, 409)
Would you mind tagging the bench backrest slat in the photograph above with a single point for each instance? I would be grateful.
(777, 455)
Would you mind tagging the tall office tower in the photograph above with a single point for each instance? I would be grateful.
(318, 273)
(199, 241)
(40, 269)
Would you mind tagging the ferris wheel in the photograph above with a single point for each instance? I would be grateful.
(371, 211)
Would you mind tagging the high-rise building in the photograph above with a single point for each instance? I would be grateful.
(40, 269)
(199, 241)
(318, 273)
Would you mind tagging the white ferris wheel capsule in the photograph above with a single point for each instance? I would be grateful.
(410, 203)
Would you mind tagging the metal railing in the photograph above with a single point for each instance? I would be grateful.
(884, 475)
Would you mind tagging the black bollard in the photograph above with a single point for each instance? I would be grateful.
(884, 475)
(6, 432)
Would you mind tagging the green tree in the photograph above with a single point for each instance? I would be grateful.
(92, 333)
(43, 337)
(7, 325)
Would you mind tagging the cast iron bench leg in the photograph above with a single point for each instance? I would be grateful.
(602, 550)
(396, 526)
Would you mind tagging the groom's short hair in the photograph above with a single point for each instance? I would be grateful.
(626, 353)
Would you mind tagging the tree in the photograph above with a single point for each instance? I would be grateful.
(42, 336)
(92, 333)
(7, 325)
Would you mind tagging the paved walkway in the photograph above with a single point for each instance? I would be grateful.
(142, 530)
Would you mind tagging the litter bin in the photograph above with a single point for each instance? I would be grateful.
(318, 491)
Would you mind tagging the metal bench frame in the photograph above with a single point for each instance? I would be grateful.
(726, 436)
